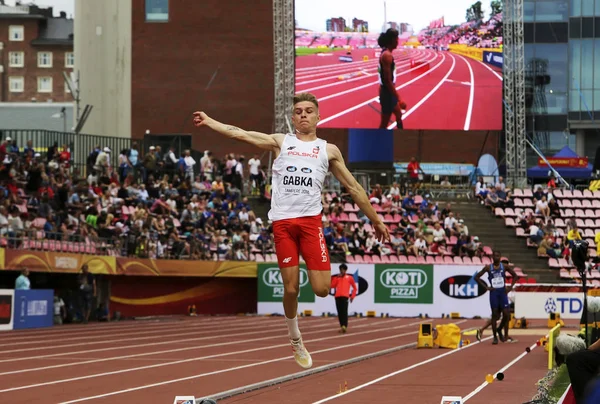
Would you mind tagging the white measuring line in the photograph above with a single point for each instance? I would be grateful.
(484, 384)
(416, 365)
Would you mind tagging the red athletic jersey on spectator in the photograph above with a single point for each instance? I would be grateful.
(413, 169)
(342, 285)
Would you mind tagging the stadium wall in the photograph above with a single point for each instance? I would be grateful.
(215, 55)
(103, 59)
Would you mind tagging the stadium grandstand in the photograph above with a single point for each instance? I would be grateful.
(165, 205)
(477, 34)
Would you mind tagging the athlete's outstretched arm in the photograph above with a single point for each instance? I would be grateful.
(479, 275)
(338, 168)
(262, 140)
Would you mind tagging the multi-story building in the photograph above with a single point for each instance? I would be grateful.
(146, 65)
(335, 25)
(359, 25)
(562, 70)
(35, 50)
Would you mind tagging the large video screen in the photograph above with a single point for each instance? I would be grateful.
(444, 72)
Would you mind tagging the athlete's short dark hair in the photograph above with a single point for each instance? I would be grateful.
(344, 267)
(306, 97)
(385, 38)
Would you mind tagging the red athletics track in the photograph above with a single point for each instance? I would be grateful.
(413, 380)
(458, 94)
(155, 361)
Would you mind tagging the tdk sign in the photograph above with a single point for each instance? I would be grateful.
(461, 287)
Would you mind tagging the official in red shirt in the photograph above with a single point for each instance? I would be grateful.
(342, 284)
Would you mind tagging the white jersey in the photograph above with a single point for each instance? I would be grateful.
(298, 175)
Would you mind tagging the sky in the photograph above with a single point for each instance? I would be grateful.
(59, 5)
(312, 14)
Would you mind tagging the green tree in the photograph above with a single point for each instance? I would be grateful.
(496, 7)
(475, 12)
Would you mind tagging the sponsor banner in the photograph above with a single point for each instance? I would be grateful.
(6, 309)
(539, 305)
(46, 261)
(457, 291)
(411, 284)
(573, 162)
(363, 277)
(271, 288)
(397, 290)
(345, 59)
(33, 308)
(495, 59)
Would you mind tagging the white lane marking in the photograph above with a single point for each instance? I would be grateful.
(416, 365)
(471, 95)
(484, 384)
(362, 104)
(428, 95)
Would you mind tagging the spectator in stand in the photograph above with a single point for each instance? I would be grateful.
(255, 177)
(445, 183)
(542, 208)
(500, 185)
(573, 234)
(449, 225)
(408, 204)
(413, 170)
(207, 165)
(535, 233)
(547, 247)
(554, 208)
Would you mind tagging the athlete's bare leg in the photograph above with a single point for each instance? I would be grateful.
(385, 120)
(504, 323)
(320, 282)
(398, 114)
(495, 318)
(291, 287)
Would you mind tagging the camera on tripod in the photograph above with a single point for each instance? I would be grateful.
(579, 255)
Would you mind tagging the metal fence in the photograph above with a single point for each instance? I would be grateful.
(82, 145)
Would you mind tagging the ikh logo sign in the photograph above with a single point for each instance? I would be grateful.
(461, 287)
(361, 284)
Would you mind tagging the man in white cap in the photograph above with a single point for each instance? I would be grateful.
(103, 161)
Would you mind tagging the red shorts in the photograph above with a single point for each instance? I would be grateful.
(303, 235)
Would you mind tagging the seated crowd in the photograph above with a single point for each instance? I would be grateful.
(549, 219)
(154, 211)
(421, 231)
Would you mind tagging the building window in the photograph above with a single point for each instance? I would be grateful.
(44, 84)
(157, 10)
(16, 59)
(16, 33)
(16, 84)
(528, 11)
(69, 59)
(44, 59)
(552, 11)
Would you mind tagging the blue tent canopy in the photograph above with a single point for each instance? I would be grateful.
(565, 172)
